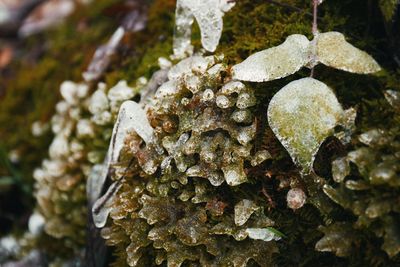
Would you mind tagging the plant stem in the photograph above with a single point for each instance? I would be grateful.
(315, 17)
(314, 28)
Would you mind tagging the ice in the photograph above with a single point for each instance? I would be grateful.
(208, 15)
(340, 169)
(263, 234)
(276, 62)
(335, 52)
(98, 102)
(36, 224)
(234, 174)
(223, 102)
(102, 207)
(243, 210)
(302, 115)
(59, 147)
(297, 51)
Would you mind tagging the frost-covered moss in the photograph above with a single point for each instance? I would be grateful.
(180, 207)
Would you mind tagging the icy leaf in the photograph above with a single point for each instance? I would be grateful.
(208, 14)
(243, 210)
(302, 115)
(334, 51)
(276, 62)
(263, 234)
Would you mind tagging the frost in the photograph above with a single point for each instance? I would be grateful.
(276, 62)
(263, 234)
(335, 52)
(208, 15)
(243, 210)
(302, 114)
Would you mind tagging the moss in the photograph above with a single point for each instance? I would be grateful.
(252, 25)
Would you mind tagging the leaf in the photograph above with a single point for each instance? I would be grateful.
(302, 115)
(334, 51)
(276, 62)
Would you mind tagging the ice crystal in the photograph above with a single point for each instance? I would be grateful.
(302, 115)
(208, 15)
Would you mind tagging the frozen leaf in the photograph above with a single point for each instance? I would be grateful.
(263, 234)
(208, 14)
(334, 51)
(276, 62)
(243, 210)
(302, 114)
